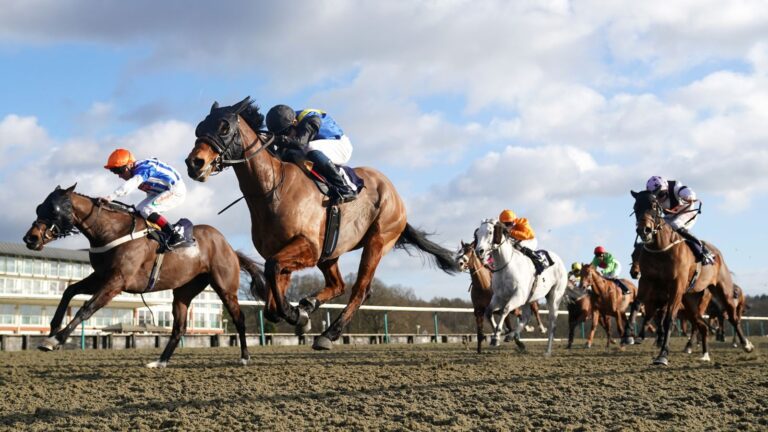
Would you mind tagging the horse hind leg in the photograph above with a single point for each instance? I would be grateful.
(227, 291)
(296, 255)
(182, 297)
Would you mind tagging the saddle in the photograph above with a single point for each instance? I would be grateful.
(184, 226)
(333, 214)
(544, 259)
(350, 176)
(622, 286)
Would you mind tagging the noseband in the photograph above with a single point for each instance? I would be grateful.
(231, 142)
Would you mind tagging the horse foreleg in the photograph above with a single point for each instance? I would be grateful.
(480, 323)
(182, 297)
(372, 253)
(670, 314)
(593, 328)
(334, 287)
(535, 311)
(296, 255)
(734, 317)
(84, 286)
(99, 299)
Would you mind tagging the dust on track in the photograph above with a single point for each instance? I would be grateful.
(395, 387)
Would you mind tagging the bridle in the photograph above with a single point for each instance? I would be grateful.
(229, 141)
(498, 231)
(657, 221)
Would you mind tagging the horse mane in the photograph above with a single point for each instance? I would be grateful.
(113, 206)
(253, 117)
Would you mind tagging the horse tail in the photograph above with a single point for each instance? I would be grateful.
(258, 286)
(441, 256)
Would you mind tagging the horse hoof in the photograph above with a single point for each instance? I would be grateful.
(322, 343)
(157, 364)
(638, 341)
(661, 361)
(705, 357)
(628, 341)
(688, 350)
(49, 344)
(588, 346)
(304, 325)
(543, 329)
(509, 338)
(244, 361)
(748, 347)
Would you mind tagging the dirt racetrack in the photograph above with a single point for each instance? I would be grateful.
(395, 387)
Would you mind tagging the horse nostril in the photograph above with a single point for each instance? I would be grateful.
(197, 163)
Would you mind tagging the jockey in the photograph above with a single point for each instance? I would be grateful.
(575, 274)
(164, 187)
(678, 200)
(520, 230)
(314, 135)
(608, 267)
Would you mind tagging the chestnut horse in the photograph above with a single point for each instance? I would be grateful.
(607, 298)
(668, 266)
(122, 257)
(288, 215)
(480, 290)
(579, 305)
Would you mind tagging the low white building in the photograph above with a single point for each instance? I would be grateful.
(31, 285)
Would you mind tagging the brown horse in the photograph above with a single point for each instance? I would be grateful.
(288, 215)
(607, 298)
(126, 267)
(480, 290)
(669, 267)
(579, 305)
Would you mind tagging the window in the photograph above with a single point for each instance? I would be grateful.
(199, 320)
(7, 314)
(28, 265)
(52, 269)
(31, 315)
(2, 264)
(10, 265)
(37, 266)
(63, 270)
(164, 319)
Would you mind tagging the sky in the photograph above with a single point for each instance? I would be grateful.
(554, 109)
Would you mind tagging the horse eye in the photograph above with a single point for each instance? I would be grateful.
(224, 128)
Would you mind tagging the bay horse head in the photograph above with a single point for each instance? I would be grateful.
(219, 141)
(649, 215)
(488, 237)
(55, 219)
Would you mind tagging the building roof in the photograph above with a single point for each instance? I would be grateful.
(17, 249)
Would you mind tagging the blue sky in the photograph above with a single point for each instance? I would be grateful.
(554, 109)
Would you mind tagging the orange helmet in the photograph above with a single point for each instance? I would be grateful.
(507, 216)
(119, 158)
(599, 250)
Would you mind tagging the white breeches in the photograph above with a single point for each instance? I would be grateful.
(339, 151)
(683, 220)
(163, 202)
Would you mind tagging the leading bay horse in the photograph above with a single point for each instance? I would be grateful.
(122, 257)
(669, 268)
(480, 290)
(288, 215)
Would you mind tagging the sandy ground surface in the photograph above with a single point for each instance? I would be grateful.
(396, 387)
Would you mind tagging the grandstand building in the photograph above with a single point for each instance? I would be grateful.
(32, 282)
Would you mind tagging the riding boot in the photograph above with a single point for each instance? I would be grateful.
(331, 172)
(171, 236)
(702, 253)
(538, 263)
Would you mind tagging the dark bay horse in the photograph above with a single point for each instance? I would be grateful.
(288, 216)
(607, 298)
(480, 291)
(668, 266)
(126, 266)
